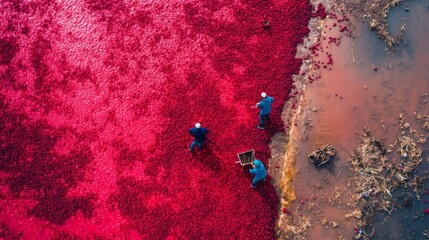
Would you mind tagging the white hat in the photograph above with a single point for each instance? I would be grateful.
(197, 125)
(264, 95)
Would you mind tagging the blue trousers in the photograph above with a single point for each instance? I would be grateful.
(195, 143)
(256, 180)
(262, 118)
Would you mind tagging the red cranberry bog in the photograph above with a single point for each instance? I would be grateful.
(97, 96)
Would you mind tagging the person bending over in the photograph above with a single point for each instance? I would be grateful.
(259, 171)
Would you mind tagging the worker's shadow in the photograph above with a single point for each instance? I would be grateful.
(246, 173)
(206, 157)
(264, 188)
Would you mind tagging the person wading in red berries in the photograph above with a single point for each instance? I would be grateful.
(259, 171)
(265, 106)
(199, 134)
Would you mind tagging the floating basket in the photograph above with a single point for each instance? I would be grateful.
(323, 155)
(246, 158)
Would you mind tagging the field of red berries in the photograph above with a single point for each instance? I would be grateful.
(96, 98)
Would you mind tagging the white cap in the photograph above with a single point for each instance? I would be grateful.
(264, 95)
(197, 125)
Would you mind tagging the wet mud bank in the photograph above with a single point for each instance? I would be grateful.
(370, 103)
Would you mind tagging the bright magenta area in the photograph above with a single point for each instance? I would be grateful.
(96, 98)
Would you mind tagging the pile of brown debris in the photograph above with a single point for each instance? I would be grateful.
(375, 176)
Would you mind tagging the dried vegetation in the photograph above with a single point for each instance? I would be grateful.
(376, 177)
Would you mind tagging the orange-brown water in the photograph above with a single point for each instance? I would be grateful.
(367, 87)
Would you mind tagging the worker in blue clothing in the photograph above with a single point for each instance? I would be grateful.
(259, 171)
(199, 134)
(265, 106)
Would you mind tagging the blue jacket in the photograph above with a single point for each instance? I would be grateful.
(265, 105)
(199, 134)
(259, 170)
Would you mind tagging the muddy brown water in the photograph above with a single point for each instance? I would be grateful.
(371, 93)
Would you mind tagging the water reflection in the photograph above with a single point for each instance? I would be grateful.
(370, 93)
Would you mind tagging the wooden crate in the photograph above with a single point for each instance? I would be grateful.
(246, 158)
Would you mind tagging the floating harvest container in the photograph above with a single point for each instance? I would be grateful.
(246, 158)
(323, 155)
